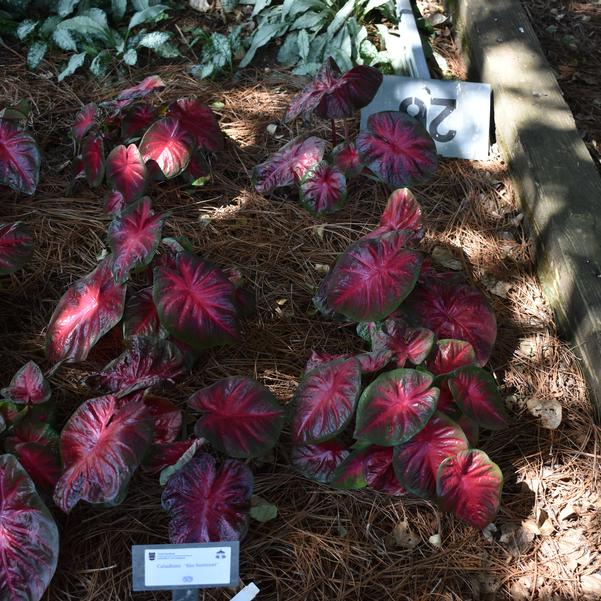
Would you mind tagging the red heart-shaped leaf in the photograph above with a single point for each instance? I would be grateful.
(335, 96)
(455, 311)
(469, 484)
(169, 144)
(319, 461)
(28, 537)
(41, 463)
(28, 386)
(136, 119)
(417, 461)
(289, 164)
(141, 317)
(346, 158)
(16, 246)
(476, 393)
(166, 416)
(379, 471)
(199, 121)
(350, 473)
(395, 407)
(19, 158)
(134, 237)
(152, 83)
(373, 276)
(207, 504)
(239, 417)
(114, 203)
(93, 158)
(450, 355)
(323, 189)
(85, 313)
(126, 172)
(146, 362)
(325, 401)
(84, 121)
(402, 212)
(413, 344)
(195, 302)
(397, 149)
(101, 446)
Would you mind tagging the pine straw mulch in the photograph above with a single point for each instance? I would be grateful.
(325, 544)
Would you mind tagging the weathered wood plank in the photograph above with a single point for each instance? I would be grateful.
(555, 177)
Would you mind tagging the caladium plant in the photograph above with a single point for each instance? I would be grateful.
(144, 142)
(407, 422)
(20, 157)
(395, 149)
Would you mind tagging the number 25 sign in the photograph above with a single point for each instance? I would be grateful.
(455, 113)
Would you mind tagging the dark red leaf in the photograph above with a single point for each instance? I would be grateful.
(379, 471)
(395, 407)
(169, 144)
(198, 170)
(134, 238)
(402, 212)
(316, 359)
(476, 393)
(19, 158)
(93, 158)
(195, 302)
(455, 311)
(41, 463)
(350, 473)
(446, 404)
(323, 189)
(136, 119)
(239, 417)
(84, 121)
(346, 158)
(374, 361)
(417, 461)
(319, 461)
(31, 427)
(207, 504)
(373, 276)
(146, 362)
(148, 85)
(126, 172)
(85, 313)
(289, 164)
(141, 317)
(470, 428)
(397, 149)
(28, 537)
(335, 96)
(165, 454)
(199, 121)
(325, 401)
(166, 416)
(469, 484)
(101, 446)
(114, 203)
(450, 355)
(16, 246)
(413, 344)
(28, 386)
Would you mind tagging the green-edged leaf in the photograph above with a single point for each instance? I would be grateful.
(75, 62)
(395, 407)
(148, 14)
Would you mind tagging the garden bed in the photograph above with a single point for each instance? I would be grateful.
(324, 543)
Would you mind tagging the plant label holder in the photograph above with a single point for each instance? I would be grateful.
(184, 569)
(455, 113)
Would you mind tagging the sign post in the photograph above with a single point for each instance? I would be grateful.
(184, 569)
(455, 113)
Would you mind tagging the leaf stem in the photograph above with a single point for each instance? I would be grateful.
(333, 132)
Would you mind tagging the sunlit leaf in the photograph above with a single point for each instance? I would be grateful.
(169, 144)
(126, 172)
(323, 189)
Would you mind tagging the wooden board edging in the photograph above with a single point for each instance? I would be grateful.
(554, 175)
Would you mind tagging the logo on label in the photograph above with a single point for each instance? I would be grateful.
(151, 555)
(220, 554)
(187, 578)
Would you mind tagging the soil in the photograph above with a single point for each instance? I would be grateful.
(570, 35)
(324, 544)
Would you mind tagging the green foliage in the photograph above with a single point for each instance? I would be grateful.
(313, 30)
(218, 52)
(96, 33)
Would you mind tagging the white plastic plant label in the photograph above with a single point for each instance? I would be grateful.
(191, 566)
(455, 113)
